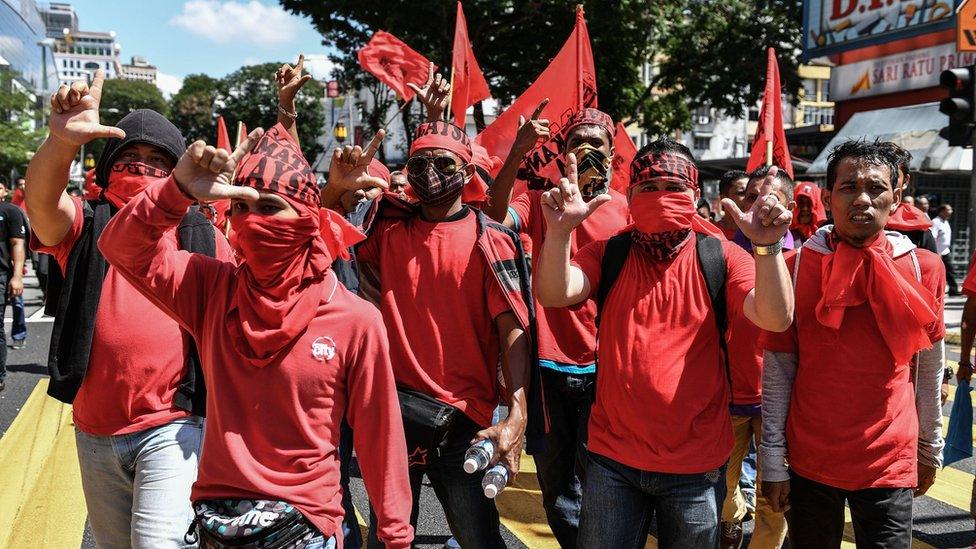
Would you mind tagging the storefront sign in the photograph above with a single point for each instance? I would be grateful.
(895, 73)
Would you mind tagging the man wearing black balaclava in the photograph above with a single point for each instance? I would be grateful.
(128, 369)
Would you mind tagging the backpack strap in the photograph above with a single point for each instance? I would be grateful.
(711, 260)
(614, 256)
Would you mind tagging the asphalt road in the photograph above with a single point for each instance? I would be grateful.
(937, 523)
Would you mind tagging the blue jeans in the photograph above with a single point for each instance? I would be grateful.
(619, 503)
(137, 486)
(472, 518)
(19, 329)
(561, 464)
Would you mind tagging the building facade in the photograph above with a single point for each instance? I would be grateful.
(58, 16)
(23, 50)
(79, 54)
(139, 68)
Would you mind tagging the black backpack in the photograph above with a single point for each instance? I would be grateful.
(711, 260)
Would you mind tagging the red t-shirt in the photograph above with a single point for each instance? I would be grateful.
(852, 422)
(439, 299)
(662, 400)
(272, 432)
(138, 354)
(745, 360)
(567, 335)
(969, 285)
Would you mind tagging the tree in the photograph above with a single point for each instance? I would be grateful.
(249, 95)
(709, 52)
(120, 97)
(193, 107)
(18, 139)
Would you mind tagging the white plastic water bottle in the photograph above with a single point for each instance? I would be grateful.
(495, 481)
(478, 456)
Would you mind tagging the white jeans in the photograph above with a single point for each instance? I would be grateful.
(137, 486)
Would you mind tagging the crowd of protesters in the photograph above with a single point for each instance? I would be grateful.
(394, 313)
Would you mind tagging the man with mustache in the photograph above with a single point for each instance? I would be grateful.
(851, 410)
(660, 430)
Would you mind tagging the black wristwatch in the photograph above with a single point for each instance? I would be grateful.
(947, 374)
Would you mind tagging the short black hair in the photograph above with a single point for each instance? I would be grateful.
(869, 152)
(702, 203)
(663, 145)
(781, 176)
(728, 178)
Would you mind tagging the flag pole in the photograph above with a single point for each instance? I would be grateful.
(447, 109)
(579, 58)
(769, 152)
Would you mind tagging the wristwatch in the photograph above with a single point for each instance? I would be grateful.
(769, 249)
(947, 374)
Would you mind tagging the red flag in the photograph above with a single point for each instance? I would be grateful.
(469, 85)
(771, 123)
(624, 152)
(223, 141)
(394, 63)
(570, 84)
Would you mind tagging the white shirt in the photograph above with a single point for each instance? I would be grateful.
(943, 235)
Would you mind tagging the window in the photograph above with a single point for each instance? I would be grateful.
(825, 90)
(702, 143)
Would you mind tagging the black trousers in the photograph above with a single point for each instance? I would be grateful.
(950, 277)
(882, 516)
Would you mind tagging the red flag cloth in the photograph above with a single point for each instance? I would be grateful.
(771, 123)
(908, 218)
(570, 84)
(394, 63)
(469, 85)
(223, 140)
(624, 152)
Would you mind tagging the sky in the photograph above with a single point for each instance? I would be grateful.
(214, 37)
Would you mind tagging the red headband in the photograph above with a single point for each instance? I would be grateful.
(442, 135)
(593, 117)
(276, 165)
(666, 166)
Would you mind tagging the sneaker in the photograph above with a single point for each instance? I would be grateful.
(452, 544)
(18, 344)
(731, 536)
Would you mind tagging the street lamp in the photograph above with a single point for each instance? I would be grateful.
(340, 133)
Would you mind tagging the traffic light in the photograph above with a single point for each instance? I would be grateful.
(960, 106)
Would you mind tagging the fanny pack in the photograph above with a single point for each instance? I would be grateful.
(251, 524)
(426, 424)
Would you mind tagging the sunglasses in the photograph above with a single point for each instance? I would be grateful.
(443, 164)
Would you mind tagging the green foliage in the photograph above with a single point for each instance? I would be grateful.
(708, 51)
(192, 108)
(18, 139)
(120, 97)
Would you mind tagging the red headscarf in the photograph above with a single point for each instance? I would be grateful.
(851, 276)
(284, 273)
(590, 116)
(908, 218)
(818, 213)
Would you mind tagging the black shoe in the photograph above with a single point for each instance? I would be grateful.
(18, 344)
(2, 385)
(731, 535)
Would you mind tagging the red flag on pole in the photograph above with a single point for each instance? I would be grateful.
(624, 152)
(469, 84)
(394, 63)
(570, 84)
(770, 127)
(223, 140)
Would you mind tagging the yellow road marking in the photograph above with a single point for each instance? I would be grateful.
(39, 468)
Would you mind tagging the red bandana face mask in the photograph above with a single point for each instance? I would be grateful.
(663, 221)
(127, 180)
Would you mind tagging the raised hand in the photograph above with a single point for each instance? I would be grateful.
(768, 220)
(434, 94)
(349, 172)
(74, 113)
(563, 205)
(289, 81)
(531, 131)
(206, 173)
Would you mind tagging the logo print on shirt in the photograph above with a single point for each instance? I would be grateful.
(323, 349)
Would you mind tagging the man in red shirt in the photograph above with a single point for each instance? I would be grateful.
(660, 431)
(907, 219)
(452, 301)
(130, 371)
(567, 337)
(851, 390)
(731, 185)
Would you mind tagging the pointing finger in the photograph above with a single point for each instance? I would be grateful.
(246, 146)
(539, 109)
(731, 208)
(571, 174)
(96, 86)
(234, 192)
(100, 131)
(598, 201)
(374, 145)
(301, 63)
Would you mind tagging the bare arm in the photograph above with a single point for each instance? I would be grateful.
(74, 122)
(559, 283)
(528, 135)
(507, 434)
(18, 255)
(968, 331)
(289, 81)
